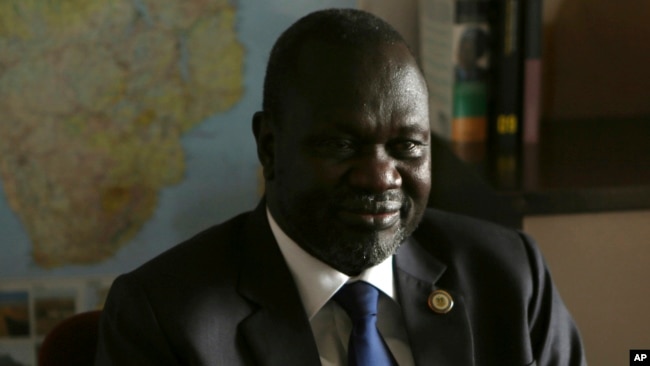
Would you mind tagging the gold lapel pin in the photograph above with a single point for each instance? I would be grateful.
(440, 301)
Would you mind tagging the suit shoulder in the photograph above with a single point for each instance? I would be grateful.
(454, 236)
(211, 249)
(449, 223)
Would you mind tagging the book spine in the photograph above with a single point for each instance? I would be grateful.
(532, 63)
(455, 52)
(471, 59)
(505, 117)
(505, 124)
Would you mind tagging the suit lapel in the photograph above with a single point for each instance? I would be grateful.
(278, 332)
(440, 339)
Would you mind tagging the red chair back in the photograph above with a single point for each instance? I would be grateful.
(73, 342)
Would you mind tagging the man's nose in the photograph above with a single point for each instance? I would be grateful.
(375, 172)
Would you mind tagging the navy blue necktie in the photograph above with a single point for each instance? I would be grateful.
(366, 347)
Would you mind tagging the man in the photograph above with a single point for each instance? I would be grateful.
(344, 141)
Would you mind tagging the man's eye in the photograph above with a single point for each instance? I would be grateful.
(404, 146)
(336, 146)
(407, 148)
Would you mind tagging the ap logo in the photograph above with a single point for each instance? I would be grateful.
(639, 357)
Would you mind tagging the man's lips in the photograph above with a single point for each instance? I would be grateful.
(378, 216)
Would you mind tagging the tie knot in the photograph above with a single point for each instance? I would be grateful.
(358, 299)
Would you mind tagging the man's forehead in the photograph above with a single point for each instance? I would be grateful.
(315, 51)
(333, 65)
(360, 125)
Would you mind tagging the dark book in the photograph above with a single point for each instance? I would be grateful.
(505, 121)
(532, 90)
(532, 69)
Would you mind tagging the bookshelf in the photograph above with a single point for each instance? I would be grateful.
(584, 192)
(588, 159)
(587, 165)
(579, 166)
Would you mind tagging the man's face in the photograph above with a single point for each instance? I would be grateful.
(351, 155)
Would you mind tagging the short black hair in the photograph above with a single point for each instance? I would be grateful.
(349, 27)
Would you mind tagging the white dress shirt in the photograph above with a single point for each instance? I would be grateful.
(317, 282)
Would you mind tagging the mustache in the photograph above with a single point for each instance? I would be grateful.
(389, 201)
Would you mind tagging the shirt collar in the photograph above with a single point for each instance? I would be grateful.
(317, 282)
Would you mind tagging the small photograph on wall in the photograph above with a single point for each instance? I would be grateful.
(53, 305)
(14, 314)
(16, 353)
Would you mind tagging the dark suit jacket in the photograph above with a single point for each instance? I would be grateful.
(226, 297)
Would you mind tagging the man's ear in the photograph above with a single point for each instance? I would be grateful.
(264, 132)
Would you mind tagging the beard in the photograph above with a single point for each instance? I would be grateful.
(314, 223)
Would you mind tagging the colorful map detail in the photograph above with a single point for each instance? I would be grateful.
(95, 96)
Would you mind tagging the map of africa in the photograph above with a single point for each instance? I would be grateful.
(125, 128)
(95, 98)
